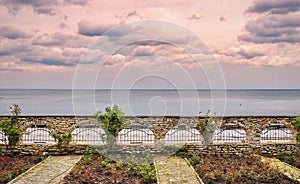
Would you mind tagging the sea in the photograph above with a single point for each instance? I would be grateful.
(154, 102)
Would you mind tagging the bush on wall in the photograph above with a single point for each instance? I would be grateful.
(10, 127)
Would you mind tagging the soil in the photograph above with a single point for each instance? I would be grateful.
(221, 169)
(12, 166)
(97, 169)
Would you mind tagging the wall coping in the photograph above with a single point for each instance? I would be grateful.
(167, 116)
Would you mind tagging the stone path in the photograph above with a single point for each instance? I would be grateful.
(286, 169)
(175, 170)
(50, 170)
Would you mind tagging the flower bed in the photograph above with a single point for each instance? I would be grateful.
(94, 168)
(12, 166)
(236, 169)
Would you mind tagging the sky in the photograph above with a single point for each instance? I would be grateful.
(149, 44)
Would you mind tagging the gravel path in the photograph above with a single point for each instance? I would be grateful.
(50, 170)
(175, 170)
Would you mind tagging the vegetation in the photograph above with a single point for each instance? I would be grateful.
(296, 123)
(236, 169)
(10, 127)
(12, 166)
(61, 137)
(94, 168)
(207, 126)
(112, 121)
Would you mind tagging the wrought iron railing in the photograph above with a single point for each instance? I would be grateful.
(183, 134)
(276, 134)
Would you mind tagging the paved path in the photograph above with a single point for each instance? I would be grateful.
(286, 169)
(175, 170)
(50, 170)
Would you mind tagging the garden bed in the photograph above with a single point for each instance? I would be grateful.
(95, 168)
(236, 169)
(12, 166)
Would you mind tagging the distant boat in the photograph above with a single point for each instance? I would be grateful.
(1, 97)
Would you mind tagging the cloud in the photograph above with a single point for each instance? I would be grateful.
(243, 51)
(277, 22)
(61, 39)
(40, 6)
(14, 6)
(274, 6)
(260, 54)
(12, 32)
(273, 29)
(194, 17)
(50, 57)
(90, 29)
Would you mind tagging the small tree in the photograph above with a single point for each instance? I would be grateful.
(10, 127)
(112, 121)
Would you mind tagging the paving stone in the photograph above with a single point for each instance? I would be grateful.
(50, 170)
(175, 170)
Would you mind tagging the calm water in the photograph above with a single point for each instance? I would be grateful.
(153, 102)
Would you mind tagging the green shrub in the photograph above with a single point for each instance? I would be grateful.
(10, 127)
(61, 137)
(112, 121)
(296, 123)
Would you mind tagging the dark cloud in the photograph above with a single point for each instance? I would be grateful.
(47, 7)
(133, 13)
(76, 2)
(274, 6)
(222, 19)
(273, 29)
(194, 17)
(12, 32)
(62, 25)
(89, 29)
(46, 11)
(245, 53)
(14, 5)
(50, 62)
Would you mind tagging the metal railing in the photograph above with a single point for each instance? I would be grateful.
(89, 135)
(228, 135)
(37, 135)
(276, 134)
(183, 134)
(135, 134)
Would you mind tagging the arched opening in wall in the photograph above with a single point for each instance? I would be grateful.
(135, 134)
(3, 138)
(182, 134)
(89, 135)
(229, 133)
(39, 134)
(276, 133)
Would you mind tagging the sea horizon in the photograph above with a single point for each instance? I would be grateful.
(152, 102)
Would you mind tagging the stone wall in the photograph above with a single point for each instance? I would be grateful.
(253, 126)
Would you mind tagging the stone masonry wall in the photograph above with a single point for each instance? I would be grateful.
(253, 126)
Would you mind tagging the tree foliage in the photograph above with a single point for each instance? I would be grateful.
(112, 121)
(10, 127)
